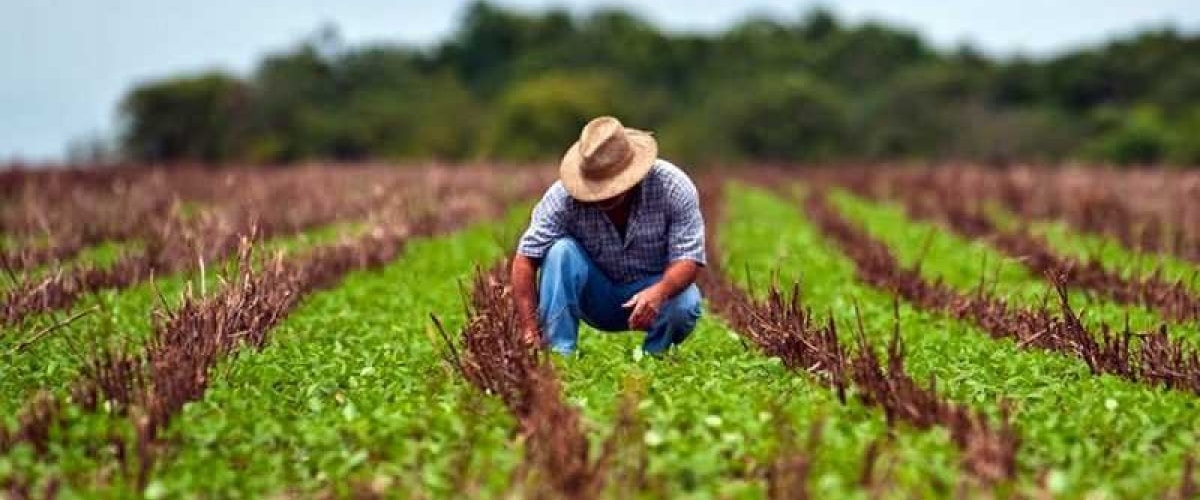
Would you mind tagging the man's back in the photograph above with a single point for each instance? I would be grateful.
(617, 243)
(664, 225)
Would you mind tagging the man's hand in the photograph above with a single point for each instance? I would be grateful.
(524, 273)
(646, 305)
(531, 337)
(648, 302)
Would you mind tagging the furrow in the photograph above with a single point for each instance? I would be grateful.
(1152, 358)
(1081, 433)
(558, 460)
(174, 241)
(351, 395)
(1146, 210)
(783, 327)
(934, 196)
(49, 353)
(152, 385)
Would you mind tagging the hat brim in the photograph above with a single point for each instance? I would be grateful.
(645, 152)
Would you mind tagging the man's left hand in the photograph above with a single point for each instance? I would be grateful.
(646, 305)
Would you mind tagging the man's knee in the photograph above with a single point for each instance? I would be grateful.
(564, 250)
(684, 309)
(565, 263)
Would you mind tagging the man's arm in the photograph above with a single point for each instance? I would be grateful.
(546, 225)
(685, 251)
(524, 289)
(647, 303)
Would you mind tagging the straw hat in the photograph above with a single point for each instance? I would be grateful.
(607, 160)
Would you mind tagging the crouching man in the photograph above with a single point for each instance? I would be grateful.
(619, 240)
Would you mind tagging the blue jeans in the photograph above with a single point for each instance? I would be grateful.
(572, 288)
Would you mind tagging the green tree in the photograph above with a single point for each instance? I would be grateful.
(1185, 140)
(917, 115)
(491, 41)
(869, 56)
(198, 118)
(790, 118)
(428, 117)
(540, 117)
(294, 92)
(517, 85)
(1137, 136)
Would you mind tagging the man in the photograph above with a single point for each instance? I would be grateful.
(619, 240)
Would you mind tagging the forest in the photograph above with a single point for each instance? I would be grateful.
(516, 86)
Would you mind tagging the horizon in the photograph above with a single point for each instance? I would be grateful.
(69, 88)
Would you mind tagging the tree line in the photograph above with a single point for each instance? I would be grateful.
(517, 86)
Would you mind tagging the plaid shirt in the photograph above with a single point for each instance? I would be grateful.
(664, 226)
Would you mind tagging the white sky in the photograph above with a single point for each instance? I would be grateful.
(64, 64)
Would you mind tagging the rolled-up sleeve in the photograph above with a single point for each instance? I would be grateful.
(547, 224)
(686, 233)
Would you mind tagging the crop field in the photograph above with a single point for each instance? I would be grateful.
(347, 332)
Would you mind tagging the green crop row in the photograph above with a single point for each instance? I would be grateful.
(1109, 252)
(29, 364)
(351, 389)
(101, 255)
(1086, 433)
(710, 410)
(965, 263)
(310, 352)
(1115, 256)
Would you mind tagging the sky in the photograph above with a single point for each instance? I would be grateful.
(65, 64)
